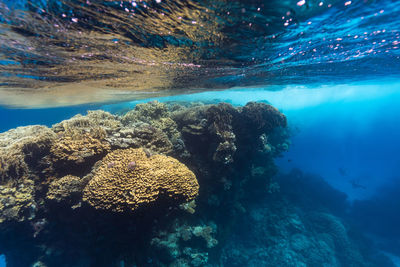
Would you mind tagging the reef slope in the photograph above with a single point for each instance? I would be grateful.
(177, 184)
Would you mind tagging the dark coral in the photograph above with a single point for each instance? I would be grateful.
(108, 190)
(66, 190)
(261, 118)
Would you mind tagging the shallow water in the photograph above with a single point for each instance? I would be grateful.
(107, 51)
(324, 191)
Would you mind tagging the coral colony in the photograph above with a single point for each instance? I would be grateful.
(177, 184)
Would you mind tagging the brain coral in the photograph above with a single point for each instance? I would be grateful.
(132, 178)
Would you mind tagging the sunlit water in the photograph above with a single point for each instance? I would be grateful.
(333, 67)
(347, 134)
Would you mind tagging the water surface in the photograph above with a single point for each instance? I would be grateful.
(75, 52)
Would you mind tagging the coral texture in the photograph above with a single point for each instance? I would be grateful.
(156, 114)
(131, 178)
(17, 203)
(118, 190)
(72, 151)
(65, 189)
(168, 244)
(262, 117)
(21, 149)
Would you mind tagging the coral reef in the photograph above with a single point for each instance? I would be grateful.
(17, 203)
(281, 234)
(129, 179)
(72, 152)
(182, 244)
(21, 150)
(67, 189)
(156, 114)
(167, 184)
(261, 117)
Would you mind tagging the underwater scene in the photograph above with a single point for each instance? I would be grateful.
(196, 133)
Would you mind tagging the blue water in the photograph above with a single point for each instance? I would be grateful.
(332, 67)
(353, 127)
(345, 133)
(12, 118)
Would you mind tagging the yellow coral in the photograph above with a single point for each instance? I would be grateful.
(77, 148)
(129, 179)
(16, 203)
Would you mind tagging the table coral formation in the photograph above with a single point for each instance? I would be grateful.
(129, 179)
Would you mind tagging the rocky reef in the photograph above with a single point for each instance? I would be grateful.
(176, 184)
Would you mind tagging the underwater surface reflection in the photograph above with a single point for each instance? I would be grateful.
(77, 51)
(199, 133)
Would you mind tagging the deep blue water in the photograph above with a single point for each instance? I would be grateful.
(332, 67)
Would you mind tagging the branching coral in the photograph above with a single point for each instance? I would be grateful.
(220, 118)
(146, 112)
(94, 119)
(206, 233)
(176, 245)
(212, 124)
(129, 179)
(144, 135)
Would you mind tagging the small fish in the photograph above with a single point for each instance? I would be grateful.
(289, 160)
(356, 185)
(342, 172)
